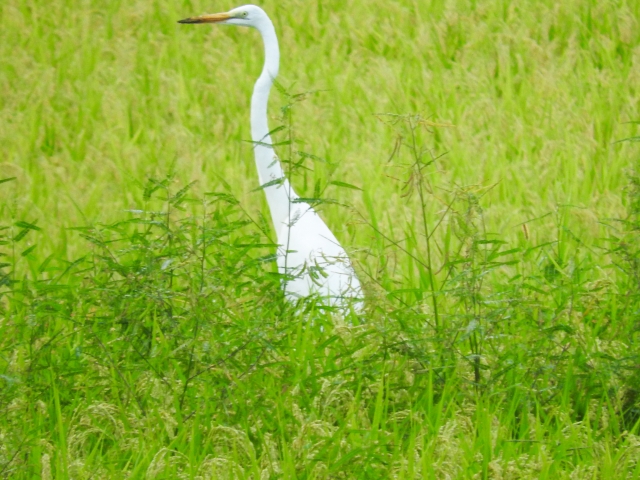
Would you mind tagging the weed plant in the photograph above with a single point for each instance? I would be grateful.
(168, 351)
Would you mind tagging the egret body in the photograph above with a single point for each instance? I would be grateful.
(309, 255)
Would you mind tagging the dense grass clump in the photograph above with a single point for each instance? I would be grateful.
(143, 330)
(168, 351)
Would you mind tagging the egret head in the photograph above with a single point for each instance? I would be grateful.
(245, 16)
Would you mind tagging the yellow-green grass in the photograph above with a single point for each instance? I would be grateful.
(98, 95)
(474, 369)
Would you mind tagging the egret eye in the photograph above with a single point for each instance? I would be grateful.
(245, 14)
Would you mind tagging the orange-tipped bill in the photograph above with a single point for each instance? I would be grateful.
(208, 18)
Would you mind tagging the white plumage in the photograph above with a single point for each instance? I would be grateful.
(309, 253)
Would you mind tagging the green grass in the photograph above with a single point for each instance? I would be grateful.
(494, 226)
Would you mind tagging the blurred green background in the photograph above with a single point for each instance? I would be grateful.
(97, 95)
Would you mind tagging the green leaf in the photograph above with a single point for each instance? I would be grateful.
(7, 179)
(312, 157)
(630, 139)
(314, 201)
(277, 144)
(344, 185)
(277, 181)
(224, 197)
(277, 129)
(43, 266)
(560, 328)
(21, 235)
(490, 242)
(28, 250)
(27, 225)
(179, 196)
(500, 254)
(535, 289)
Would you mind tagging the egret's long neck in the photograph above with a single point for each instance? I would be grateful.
(269, 168)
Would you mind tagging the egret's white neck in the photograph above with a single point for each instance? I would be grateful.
(269, 168)
(262, 87)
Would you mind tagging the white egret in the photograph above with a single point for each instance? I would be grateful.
(309, 255)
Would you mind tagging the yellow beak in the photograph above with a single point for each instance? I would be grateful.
(208, 18)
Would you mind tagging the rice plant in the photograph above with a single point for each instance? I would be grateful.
(479, 162)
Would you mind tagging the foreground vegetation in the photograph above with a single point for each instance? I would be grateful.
(143, 330)
(168, 352)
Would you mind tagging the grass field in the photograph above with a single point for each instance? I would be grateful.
(479, 160)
